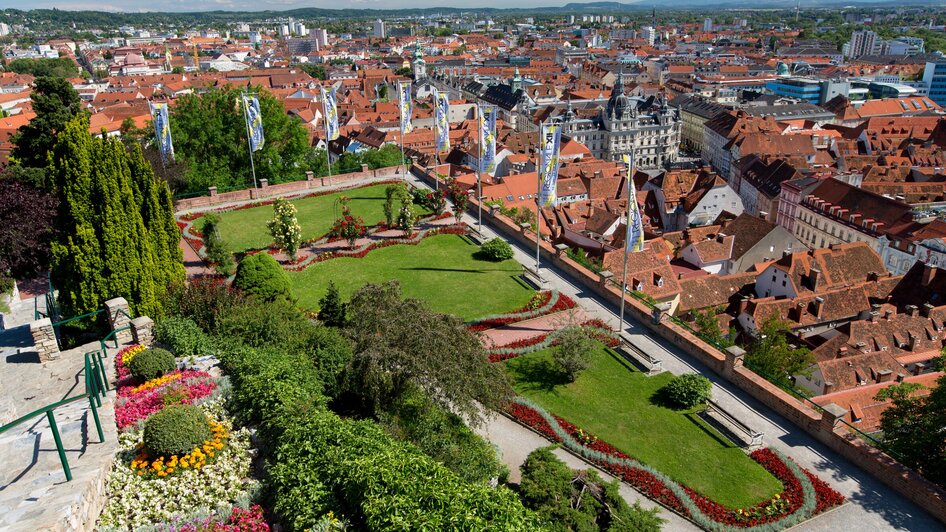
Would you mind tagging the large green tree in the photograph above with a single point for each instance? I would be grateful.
(113, 228)
(55, 103)
(399, 344)
(913, 427)
(61, 67)
(772, 355)
(209, 134)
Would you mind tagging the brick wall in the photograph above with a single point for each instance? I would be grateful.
(266, 190)
(885, 468)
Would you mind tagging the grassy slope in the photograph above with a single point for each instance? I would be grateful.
(246, 228)
(614, 401)
(440, 270)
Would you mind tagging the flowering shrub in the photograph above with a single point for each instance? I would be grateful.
(349, 228)
(128, 353)
(138, 403)
(804, 495)
(135, 501)
(285, 228)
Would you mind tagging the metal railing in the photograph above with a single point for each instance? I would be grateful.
(96, 385)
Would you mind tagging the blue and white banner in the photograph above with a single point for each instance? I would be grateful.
(330, 114)
(254, 122)
(162, 129)
(487, 139)
(635, 224)
(550, 139)
(443, 122)
(404, 102)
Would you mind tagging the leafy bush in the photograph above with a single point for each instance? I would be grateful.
(496, 250)
(261, 276)
(176, 430)
(217, 249)
(688, 390)
(202, 300)
(443, 436)
(151, 364)
(573, 353)
(182, 336)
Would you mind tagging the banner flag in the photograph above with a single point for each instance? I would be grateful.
(404, 102)
(162, 129)
(635, 224)
(254, 120)
(487, 139)
(550, 140)
(330, 112)
(443, 122)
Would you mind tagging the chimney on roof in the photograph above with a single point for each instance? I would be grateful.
(900, 377)
(884, 375)
(926, 310)
(912, 310)
(828, 387)
(887, 314)
(743, 304)
(929, 272)
(913, 338)
(873, 316)
(814, 278)
(720, 237)
(871, 276)
(819, 305)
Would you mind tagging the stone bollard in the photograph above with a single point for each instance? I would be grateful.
(494, 210)
(44, 339)
(734, 358)
(119, 317)
(364, 168)
(524, 227)
(212, 191)
(309, 178)
(142, 330)
(263, 185)
(829, 418)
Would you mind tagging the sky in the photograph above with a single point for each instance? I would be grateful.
(261, 5)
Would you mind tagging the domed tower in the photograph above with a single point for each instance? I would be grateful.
(420, 66)
(618, 103)
(516, 81)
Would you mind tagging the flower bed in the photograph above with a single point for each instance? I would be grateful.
(598, 330)
(137, 403)
(548, 303)
(136, 500)
(804, 495)
(240, 520)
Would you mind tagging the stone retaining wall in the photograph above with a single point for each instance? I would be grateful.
(821, 425)
(266, 190)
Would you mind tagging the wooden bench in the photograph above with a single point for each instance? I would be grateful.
(750, 438)
(533, 277)
(651, 364)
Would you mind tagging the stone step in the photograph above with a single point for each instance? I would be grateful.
(34, 493)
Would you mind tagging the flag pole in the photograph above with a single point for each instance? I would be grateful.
(479, 173)
(538, 206)
(630, 177)
(328, 158)
(249, 143)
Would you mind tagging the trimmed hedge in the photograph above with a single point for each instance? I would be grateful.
(261, 276)
(496, 250)
(151, 364)
(176, 430)
(688, 390)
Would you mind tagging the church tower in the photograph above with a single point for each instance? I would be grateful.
(420, 66)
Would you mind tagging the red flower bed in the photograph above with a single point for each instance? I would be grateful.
(562, 303)
(780, 506)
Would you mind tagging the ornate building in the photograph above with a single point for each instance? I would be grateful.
(648, 125)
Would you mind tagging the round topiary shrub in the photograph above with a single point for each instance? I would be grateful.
(688, 390)
(496, 250)
(261, 276)
(176, 429)
(151, 364)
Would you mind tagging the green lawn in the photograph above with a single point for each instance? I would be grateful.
(613, 400)
(440, 270)
(246, 228)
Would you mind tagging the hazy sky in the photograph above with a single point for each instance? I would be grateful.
(259, 5)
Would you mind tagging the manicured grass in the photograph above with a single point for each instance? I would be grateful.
(614, 401)
(246, 229)
(440, 270)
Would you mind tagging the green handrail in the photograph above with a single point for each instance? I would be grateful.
(95, 386)
(112, 336)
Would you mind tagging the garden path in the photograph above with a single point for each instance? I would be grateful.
(871, 504)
